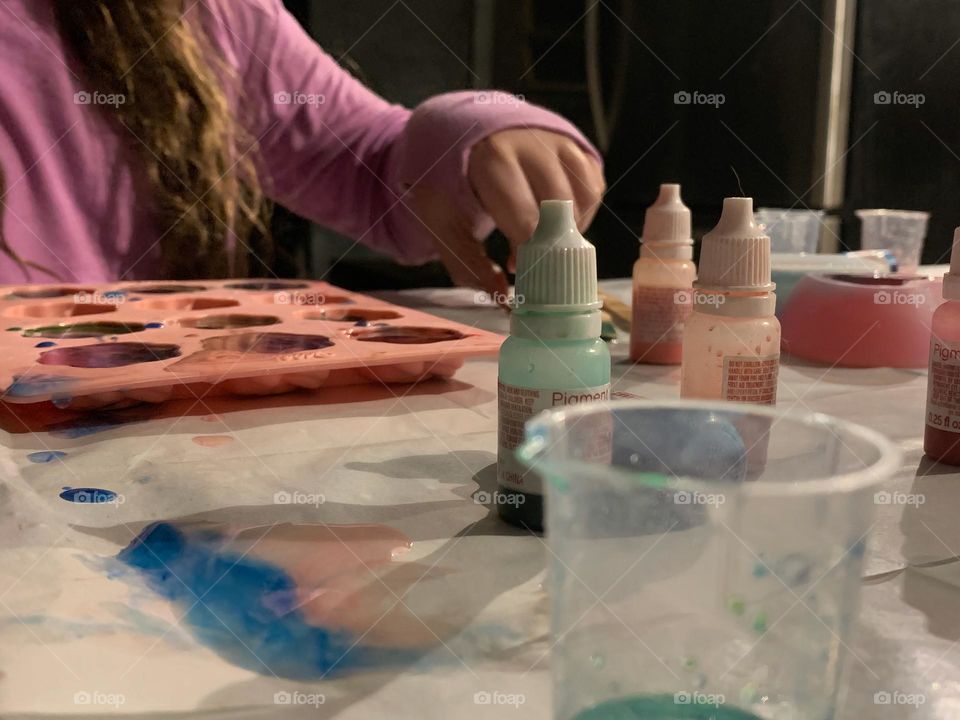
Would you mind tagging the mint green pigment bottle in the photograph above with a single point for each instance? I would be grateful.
(554, 355)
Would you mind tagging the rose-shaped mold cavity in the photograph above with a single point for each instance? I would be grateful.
(59, 309)
(267, 343)
(164, 289)
(186, 304)
(45, 293)
(109, 355)
(350, 315)
(261, 285)
(72, 331)
(226, 322)
(405, 335)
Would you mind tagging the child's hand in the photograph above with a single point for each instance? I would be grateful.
(511, 172)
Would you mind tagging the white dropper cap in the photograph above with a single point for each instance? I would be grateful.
(951, 280)
(557, 267)
(666, 227)
(735, 255)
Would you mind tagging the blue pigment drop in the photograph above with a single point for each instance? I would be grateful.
(45, 344)
(153, 325)
(88, 496)
(46, 456)
(235, 619)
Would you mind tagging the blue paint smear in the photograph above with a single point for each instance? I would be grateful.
(45, 344)
(46, 456)
(88, 496)
(89, 424)
(231, 603)
(153, 325)
(31, 385)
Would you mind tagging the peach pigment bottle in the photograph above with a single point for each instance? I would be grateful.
(663, 281)
(941, 435)
(731, 342)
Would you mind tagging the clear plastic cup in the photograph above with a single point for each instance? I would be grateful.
(902, 232)
(791, 231)
(705, 557)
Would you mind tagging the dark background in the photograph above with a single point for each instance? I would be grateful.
(762, 55)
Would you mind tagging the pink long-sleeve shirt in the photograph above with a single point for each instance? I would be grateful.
(331, 150)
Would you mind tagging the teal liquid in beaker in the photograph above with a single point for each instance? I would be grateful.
(661, 707)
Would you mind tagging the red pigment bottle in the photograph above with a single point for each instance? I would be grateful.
(941, 437)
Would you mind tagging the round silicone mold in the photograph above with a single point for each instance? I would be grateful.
(404, 335)
(108, 355)
(862, 320)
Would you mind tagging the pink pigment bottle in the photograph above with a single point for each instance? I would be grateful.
(663, 281)
(731, 342)
(941, 436)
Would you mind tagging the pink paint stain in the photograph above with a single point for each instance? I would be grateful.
(213, 441)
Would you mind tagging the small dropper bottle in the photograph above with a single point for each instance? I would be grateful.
(663, 281)
(941, 436)
(731, 342)
(554, 355)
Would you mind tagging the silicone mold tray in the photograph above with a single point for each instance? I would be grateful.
(89, 346)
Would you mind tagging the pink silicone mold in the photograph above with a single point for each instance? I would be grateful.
(861, 320)
(92, 346)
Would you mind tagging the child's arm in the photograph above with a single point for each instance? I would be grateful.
(345, 158)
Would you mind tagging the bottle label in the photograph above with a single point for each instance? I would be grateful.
(943, 386)
(751, 379)
(659, 314)
(515, 406)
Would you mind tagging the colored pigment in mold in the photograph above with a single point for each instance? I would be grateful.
(167, 289)
(268, 343)
(83, 330)
(31, 385)
(154, 326)
(88, 496)
(404, 335)
(14, 329)
(225, 322)
(46, 456)
(45, 344)
(268, 285)
(240, 618)
(661, 707)
(109, 355)
(213, 441)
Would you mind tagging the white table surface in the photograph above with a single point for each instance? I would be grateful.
(410, 458)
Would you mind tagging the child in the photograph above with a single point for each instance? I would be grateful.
(142, 139)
